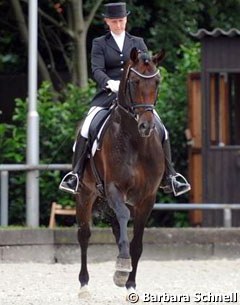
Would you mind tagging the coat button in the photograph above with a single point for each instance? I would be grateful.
(121, 69)
(121, 55)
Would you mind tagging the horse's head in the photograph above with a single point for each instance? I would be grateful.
(139, 88)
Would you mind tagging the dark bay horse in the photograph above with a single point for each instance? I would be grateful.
(130, 164)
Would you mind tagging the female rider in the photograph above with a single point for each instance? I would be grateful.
(108, 56)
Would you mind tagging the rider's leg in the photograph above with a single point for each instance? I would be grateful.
(71, 181)
(172, 181)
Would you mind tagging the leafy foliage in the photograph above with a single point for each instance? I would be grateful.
(59, 115)
(172, 21)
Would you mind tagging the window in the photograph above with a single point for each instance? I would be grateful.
(224, 109)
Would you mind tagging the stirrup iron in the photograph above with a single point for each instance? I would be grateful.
(184, 180)
(75, 191)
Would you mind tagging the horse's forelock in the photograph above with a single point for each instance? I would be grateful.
(145, 60)
(145, 57)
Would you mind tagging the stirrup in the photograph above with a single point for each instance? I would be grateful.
(69, 190)
(188, 186)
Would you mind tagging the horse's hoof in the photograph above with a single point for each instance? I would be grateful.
(84, 292)
(124, 264)
(120, 278)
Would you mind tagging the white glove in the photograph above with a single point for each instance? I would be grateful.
(113, 85)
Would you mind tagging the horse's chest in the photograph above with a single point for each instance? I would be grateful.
(136, 161)
(145, 171)
(141, 170)
(134, 153)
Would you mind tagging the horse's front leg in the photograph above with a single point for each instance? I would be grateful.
(123, 264)
(141, 214)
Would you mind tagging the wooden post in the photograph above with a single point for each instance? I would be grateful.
(194, 138)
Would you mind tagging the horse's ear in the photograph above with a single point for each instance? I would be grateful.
(134, 54)
(158, 58)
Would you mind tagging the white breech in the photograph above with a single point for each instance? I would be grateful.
(86, 124)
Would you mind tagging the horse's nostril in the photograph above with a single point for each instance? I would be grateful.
(144, 129)
(143, 126)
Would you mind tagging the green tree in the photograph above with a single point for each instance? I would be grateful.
(171, 22)
(63, 28)
(66, 28)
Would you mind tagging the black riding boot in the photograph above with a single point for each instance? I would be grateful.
(170, 183)
(70, 181)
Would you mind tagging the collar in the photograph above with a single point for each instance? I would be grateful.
(118, 37)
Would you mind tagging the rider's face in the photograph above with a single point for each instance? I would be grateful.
(117, 26)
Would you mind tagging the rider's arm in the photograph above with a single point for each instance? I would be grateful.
(98, 64)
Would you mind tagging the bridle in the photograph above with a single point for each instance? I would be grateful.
(131, 105)
(143, 75)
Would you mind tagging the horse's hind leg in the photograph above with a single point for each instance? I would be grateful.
(84, 212)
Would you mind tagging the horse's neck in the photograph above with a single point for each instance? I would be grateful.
(125, 125)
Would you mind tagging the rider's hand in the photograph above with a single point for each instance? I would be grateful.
(113, 85)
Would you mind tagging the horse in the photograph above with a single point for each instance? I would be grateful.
(130, 165)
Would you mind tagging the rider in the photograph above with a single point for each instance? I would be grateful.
(108, 56)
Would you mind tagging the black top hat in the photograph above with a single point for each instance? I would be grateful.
(115, 10)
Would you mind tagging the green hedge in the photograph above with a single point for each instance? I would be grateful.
(59, 115)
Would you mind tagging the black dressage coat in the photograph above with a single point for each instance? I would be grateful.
(107, 62)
